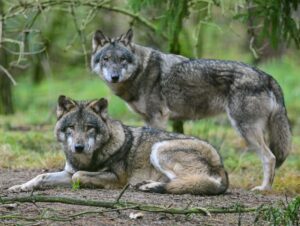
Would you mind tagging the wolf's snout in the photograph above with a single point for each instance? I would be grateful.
(115, 78)
(79, 148)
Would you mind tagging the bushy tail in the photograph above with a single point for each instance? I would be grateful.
(279, 128)
(280, 135)
(200, 184)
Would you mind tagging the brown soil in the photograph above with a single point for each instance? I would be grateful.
(30, 210)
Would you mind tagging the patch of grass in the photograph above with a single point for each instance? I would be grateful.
(31, 149)
(38, 105)
(281, 214)
(286, 72)
(75, 185)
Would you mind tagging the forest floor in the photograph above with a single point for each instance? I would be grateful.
(63, 214)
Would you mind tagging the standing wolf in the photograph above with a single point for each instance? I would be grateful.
(162, 86)
(104, 153)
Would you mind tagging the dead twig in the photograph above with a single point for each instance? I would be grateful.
(122, 192)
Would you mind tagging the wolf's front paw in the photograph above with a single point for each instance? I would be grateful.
(262, 188)
(19, 188)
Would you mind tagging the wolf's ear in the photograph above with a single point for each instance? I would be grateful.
(126, 38)
(99, 39)
(99, 107)
(64, 105)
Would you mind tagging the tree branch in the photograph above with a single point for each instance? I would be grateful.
(20, 7)
(8, 74)
(135, 16)
(128, 205)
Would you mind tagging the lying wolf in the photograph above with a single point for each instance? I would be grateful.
(162, 86)
(104, 153)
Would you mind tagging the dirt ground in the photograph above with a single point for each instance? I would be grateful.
(31, 211)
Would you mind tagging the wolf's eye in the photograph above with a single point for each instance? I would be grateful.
(89, 128)
(123, 59)
(69, 128)
(97, 59)
(105, 58)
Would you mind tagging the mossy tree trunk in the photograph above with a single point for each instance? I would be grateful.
(6, 103)
(40, 60)
(174, 44)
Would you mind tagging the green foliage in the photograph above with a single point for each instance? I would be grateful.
(137, 5)
(76, 185)
(279, 24)
(283, 214)
(275, 18)
(170, 16)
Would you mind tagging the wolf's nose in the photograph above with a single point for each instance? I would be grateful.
(115, 78)
(79, 148)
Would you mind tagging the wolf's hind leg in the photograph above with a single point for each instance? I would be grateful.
(192, 166)
(151, 186)
(253, 134)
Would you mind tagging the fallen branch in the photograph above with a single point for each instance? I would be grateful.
(19, 217)
(128, 205)
(57, 217)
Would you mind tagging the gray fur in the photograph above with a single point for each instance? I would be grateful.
(101, 152)
(163, 86)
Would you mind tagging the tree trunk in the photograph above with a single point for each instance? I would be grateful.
(199, 17)
(6, 104)
(174, 47)
(38, 71)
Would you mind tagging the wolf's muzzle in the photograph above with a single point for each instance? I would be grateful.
(79, 148)
(115, 78)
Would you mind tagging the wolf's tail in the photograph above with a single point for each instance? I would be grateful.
(200, 184)
(279, 128)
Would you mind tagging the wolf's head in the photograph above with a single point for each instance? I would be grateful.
(81, 126)
(113, 58)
